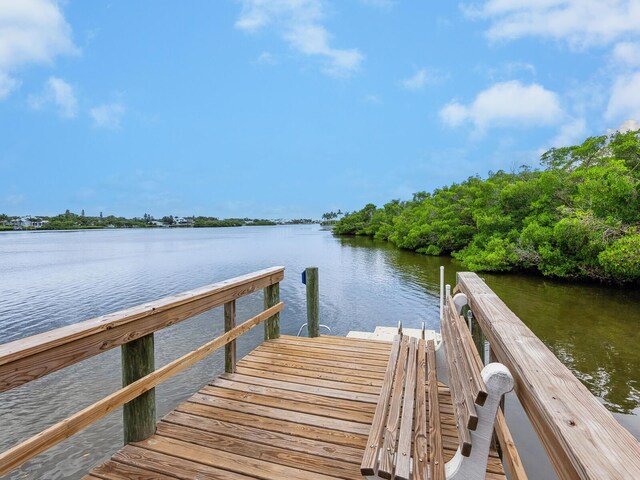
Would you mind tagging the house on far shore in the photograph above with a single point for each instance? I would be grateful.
(26, 222)
(184, 221)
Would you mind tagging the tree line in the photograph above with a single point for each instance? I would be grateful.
(73, 221)
(578, 217)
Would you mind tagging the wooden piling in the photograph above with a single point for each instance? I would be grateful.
(271, 298)
(139, 415)
(230, 348)
(313, 302)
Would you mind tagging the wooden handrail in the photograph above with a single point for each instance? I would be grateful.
(28, 449)
(510, 455)
(25, 360)
(581, 437)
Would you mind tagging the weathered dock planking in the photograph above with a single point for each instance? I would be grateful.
(327, 407)
(272, 424)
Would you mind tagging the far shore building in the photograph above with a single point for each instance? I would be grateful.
(27, 222)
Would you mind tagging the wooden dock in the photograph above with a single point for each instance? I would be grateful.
(297, 408)
(302, 408)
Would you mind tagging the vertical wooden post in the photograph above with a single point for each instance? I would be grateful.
(313, 302)
(230, 348)
(479, 339)
(139, 415)
(272, 324)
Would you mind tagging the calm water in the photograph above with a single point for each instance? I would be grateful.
(52, 279)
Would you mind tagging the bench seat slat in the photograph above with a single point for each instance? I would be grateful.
(436, 455)
(386, 465)
(403, 453)
(421, 421)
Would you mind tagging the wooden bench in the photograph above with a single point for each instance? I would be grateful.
(406, 445)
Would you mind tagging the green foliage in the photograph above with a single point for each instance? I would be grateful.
(621, 259)
(576, 219)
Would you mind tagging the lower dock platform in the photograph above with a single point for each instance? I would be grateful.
(296, 408)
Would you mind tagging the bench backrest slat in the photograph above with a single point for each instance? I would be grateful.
(472, 376)
(370, 457)
(464, 409)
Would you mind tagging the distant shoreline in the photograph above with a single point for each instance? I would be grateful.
(102, 229)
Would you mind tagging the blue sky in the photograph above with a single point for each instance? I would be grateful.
(290, 108)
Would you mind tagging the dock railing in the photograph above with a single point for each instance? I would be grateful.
(582, 439)
(25, 360)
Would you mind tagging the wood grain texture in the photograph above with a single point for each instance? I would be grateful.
(175, 467)
(436, 456)
(19, 454)
(312, 353)
(509, 451)
(227, 460)
(316, 400)
(230, 348)
(464, 412)
(139, 414)
(30, 358)
(581, 437)
(328, 361)
(403, 452)
(392, 428)
(472, 376)
(304, 388)
(276, 428)
(334, 467)
(313, 302)
(370, 458)
(421, 421)
(260, 436)
(271, 298)
(112, 470)
(335, 367)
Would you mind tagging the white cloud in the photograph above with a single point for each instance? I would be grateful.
(579, 22)
(417, 81)
(59, 93)
(625, 97)
(266, 58)
(454, 114)
(422, 78)
(375, 99)
(628, 125)
(32, 32)
(299, 23)
(570, 133)
(7, 85)
(107, 115)
(506, 104)
(627, 53)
